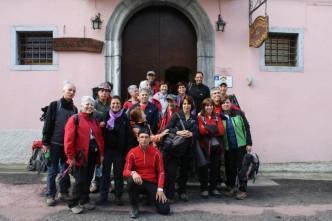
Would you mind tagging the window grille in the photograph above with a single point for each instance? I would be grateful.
(281, 49)
(35, 48)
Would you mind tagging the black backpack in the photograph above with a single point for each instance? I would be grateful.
(250, 167)
(44, 110)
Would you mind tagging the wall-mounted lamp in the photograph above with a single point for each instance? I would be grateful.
(220, 24)
(96, 22)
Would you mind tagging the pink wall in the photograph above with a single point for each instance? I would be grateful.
(288, 112)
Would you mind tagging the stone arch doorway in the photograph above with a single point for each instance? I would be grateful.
(158, 38)
(127, 8)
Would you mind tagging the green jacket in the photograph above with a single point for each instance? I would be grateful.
(241, 127)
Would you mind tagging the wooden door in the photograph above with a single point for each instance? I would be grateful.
(158, 38)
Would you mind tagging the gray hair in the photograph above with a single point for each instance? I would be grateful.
(214, 89)
(87, 99)
(67, 84)
(144, 90)
(132, 87)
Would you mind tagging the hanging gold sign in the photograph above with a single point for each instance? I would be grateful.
(258, 31)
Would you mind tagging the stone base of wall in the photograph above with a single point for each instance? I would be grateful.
(15, 145)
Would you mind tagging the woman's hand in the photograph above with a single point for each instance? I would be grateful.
(102, 124)
(249, 149)
(184, 133)
(165, 132)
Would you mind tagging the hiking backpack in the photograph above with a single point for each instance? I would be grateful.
(37, 161)
(250, 167)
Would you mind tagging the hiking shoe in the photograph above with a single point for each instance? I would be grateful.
(50, 201)
(62, 197)
(241, 195)
(134, 212)
(93, 187)
(89, 206)
(230, 193)
(205, 194)
(183, 197)
(118, 201)
(215, 193)
(77, 209)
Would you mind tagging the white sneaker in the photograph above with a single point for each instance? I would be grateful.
(77, 209)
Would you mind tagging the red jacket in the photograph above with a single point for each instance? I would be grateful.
(80, 144)
(213, 120)
(148, 164)
(204, 133)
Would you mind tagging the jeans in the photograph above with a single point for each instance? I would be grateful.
(57, 164)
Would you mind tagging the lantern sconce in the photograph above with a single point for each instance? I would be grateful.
(96, 22)
(220, 23)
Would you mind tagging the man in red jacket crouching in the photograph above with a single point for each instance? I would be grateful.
(144, 171)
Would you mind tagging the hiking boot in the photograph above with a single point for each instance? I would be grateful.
(118, 201)
(93, 187)
(89, 206)
(183, 197)
(134, 212)
(241, 195)
(50, 201)
(230, 193)
(77, 209)
(215, 193)
(63, 196)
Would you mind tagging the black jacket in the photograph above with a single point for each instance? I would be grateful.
(118, 139)
(174, 124)
(49, 122)
(199, 93)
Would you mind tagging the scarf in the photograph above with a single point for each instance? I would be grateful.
(113, 117)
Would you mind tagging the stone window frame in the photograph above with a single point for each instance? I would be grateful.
(14, 49)
(300, 52)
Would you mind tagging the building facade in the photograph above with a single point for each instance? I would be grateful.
(283, 86)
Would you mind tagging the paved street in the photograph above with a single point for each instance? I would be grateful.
(269, 199)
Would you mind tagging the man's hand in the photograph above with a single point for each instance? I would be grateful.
(45, 148)
(161, 197)
(101, 160)
(102, 124)
(137, 178)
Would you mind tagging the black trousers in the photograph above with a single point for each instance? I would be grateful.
(233, 163)
(83, 176)
(117, 159)
(150, 189)
(172, 165)
(210, 173)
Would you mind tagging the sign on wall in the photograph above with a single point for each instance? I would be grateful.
(228, 79)
(78, 44)
(258, 31)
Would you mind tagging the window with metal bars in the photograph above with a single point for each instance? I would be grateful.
(281, 49)
(35, 48)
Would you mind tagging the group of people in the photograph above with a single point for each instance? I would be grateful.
(154, 140)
